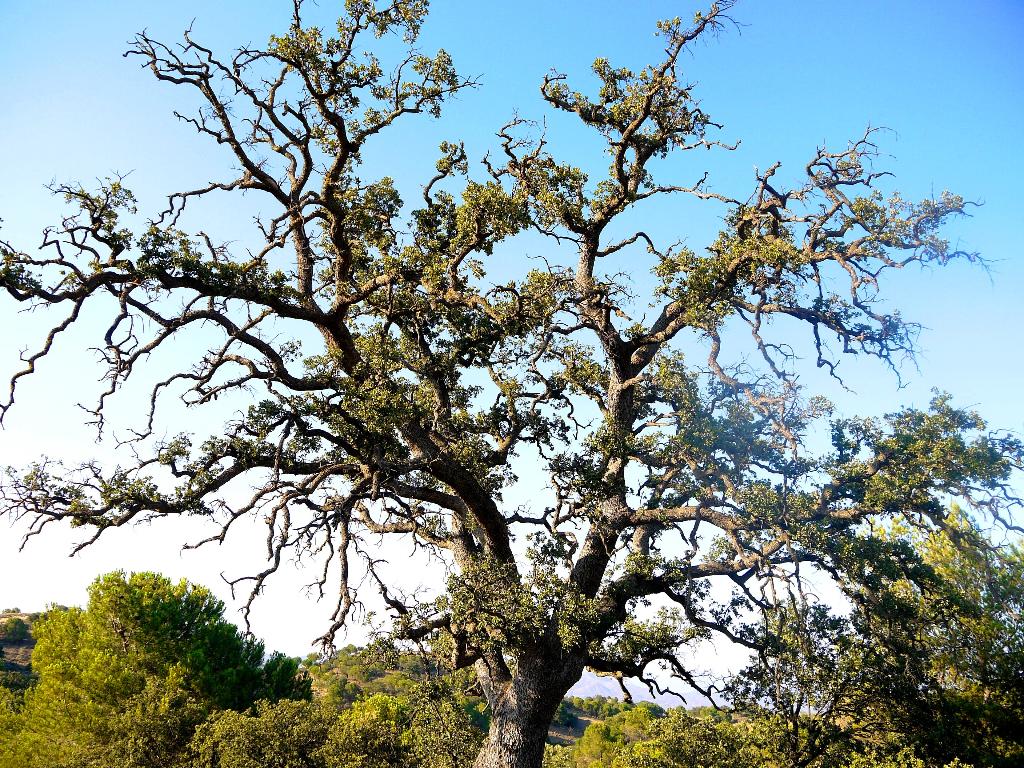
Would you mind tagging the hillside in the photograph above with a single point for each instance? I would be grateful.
(351, 674)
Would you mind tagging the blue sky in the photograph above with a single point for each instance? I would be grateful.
(946, 77)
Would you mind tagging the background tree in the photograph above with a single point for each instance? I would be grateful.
(127, 680)
(433, 388)
(426, 729)
(964, 631)
(929, 658)
(818, 691)
(681, 740)
(604, 740)
(13, 629)
(288, 733)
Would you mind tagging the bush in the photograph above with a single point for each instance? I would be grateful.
(566, 715)
(14, 630)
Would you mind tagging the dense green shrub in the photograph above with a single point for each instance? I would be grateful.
(14, 630)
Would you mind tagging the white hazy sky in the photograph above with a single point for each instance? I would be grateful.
(948, 80)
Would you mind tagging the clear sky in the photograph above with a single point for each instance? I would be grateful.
(946, 76)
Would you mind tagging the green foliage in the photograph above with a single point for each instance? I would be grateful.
(14, 630)
(428, 730)
(646, 737)
(702, 738)
(905, 758)
(968, 626)
(289, 734)
(351, 673)
(127, 679)
(15, 683)
(557, 756)
(930, 658)
(152, 728)
(681, 741)
(379, 731)
(818, 685)
(604, 740)
(373, 733)
(818, 698)
(143, 625)
(604, 707)
(448, 728)
(447, 723)
(150, 674)
(566, 716)
(598, 745)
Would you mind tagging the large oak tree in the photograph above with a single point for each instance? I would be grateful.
(434, 388)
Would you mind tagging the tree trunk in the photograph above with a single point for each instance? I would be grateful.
(522, 714)
(515, 741)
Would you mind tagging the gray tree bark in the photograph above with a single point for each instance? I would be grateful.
(522, 713)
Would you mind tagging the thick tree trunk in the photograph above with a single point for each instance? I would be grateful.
(514, 741)
(522, 714)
